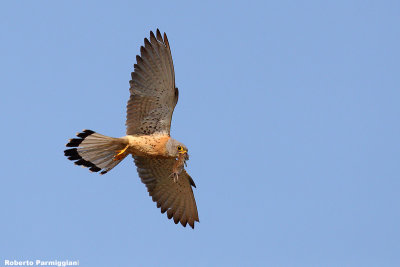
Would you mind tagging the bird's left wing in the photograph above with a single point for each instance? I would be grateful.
(175, 198)
(153, 92)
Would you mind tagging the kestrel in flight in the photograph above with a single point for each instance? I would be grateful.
(159, 158)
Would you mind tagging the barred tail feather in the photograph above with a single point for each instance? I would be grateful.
(94, 151)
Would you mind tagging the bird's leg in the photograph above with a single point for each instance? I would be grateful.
(120, 154)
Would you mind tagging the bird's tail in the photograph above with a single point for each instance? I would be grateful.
(96, 151)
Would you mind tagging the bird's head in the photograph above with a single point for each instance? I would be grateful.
(175, 148)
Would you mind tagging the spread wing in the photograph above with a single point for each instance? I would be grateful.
(175, 198)
(153, 92)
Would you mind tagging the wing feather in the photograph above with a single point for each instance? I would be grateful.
(153, 92)
(175, 198)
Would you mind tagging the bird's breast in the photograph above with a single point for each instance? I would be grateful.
(148, 145)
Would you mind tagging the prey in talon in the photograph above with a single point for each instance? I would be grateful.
(180, 163)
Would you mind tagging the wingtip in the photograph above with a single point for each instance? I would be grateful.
(184, 223)
(152, 35)
(159, 36)
(147, 42)
(169, 214)
(191, 224)
(142, 50)
(166, 40)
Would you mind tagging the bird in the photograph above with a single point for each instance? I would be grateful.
(158, 157)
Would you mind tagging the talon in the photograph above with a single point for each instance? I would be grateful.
(120, 154)
(175, 176)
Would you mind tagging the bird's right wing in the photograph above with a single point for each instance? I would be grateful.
(175, 198)
(153, 92)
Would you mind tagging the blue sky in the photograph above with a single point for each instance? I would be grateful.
(290, 110)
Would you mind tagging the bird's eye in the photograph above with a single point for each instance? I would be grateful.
(179, 148)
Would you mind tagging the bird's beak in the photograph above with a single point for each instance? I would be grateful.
(185, 154)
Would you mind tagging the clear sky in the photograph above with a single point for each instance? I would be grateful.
(290, 110)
